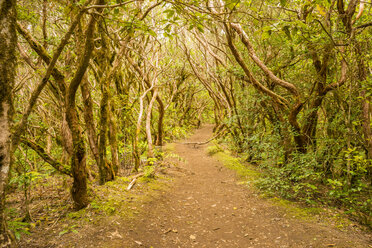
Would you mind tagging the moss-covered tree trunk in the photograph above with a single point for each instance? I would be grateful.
(89, 119)
(159, 137)
(8, 42)
(112, 135)
(150, 150)
(78, 160)
(105, 170)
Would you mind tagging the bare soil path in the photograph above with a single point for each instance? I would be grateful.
(206, 208)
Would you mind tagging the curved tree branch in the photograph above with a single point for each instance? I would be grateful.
(47, 157)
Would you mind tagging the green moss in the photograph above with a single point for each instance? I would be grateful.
(212, 150)
(296, 211)
(157, 185)
(77, 215)
(245, 171)
(311, 213)
(169, 147)
(113, 198)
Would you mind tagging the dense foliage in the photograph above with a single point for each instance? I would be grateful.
(101, 85)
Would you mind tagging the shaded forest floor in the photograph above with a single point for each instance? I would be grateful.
(196, 203)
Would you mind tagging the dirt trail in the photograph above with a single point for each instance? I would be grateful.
(207, 208)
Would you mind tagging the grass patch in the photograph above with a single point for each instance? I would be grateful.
(77, 214)
(251, 176)
(113, 198)
(212, 150)
(112, 201)
(296, 211)
(169, 147)
(244, 170)
(299, 211)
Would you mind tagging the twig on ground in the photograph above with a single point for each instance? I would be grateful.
(204, 142)
(133, 182)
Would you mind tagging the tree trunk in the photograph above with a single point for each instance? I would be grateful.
(136, 152)
(89, 118)
(108, 170)
(113, 141)
(150, 150)
(298, 137)
(159, 139)
(66, 138)
(365, 104)
(366, 100)
(8, 43)
(78, 162)
(105, 170)
(366, 117)
(311, 121)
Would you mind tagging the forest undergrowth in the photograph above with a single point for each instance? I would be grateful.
(284, 192)
(58, 224)
(302, 179)
(44, 213)
(91, 90)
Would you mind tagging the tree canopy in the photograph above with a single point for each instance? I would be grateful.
(100, 85)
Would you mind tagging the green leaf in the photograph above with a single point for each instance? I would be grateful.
(266, 28)
(17, 235)
(81, 2)
(152, 33)
(170, 13)
(63, 232)
(287, 32)
(200, 28)
(265, 35)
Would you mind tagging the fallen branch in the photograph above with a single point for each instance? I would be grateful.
(204, 142)
(62, 168)
(133, 182)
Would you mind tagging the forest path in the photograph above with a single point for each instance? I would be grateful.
(205, 207)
